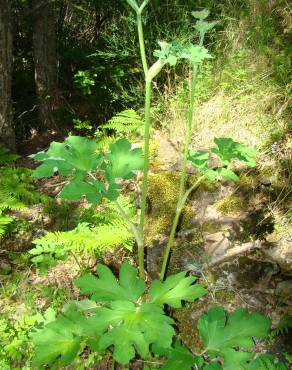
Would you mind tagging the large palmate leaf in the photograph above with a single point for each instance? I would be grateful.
(213, 366)
(200, 159)
(75, 156)
(168, 53)
(106, 288)
(123, 160)
(203, 26)
(59, 341)
(178, 357)
(91, 189)
(265, 362)
(227, 174)
(228, 149)
(91, 175)
(202, 14)
(132, 328)
(237, 360)
(221, 334)
(195, 53)
(175, 289)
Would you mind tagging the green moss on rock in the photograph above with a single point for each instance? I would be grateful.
(187, 320)
(162, 194)
(230, 205)
(247, 181)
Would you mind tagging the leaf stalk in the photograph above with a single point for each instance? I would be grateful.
(183, 194)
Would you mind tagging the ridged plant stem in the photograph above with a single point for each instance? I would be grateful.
(140, 236)
(145, 174)
(142, 43)
(181, 196)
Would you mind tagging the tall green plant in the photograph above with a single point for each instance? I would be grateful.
(123, 315)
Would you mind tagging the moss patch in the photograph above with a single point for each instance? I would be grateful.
(205, 185)
(187, 320)
(230, 205)
(187, 215)
(162, 194)
(249, 182)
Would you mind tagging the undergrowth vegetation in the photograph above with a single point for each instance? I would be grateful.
(16, 189)
(107, 231)
(82, 296)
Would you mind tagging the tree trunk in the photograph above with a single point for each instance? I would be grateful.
(7, 135)
(45, 61)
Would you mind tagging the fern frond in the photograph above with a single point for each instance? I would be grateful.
(4, 222)
(110, 212)
(16, 188)
(109, 232)
(127, 204)
(127, 121)
(283, 327)
(10, 202)
(6, 157)
(85, 238)
(104, 141)
(16, 192)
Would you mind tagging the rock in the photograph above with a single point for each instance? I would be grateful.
(154, 255)
(281, 253)
(216, 243)
(284, 288)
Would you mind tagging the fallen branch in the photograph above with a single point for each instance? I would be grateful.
(233, 253)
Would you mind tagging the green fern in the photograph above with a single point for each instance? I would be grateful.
(87, 238)
(16, 193)
(103, 140)
(283, 327)
(4, 222)
(127, 122)
(109, 232)
(109, 212)
(6, 157)
(16, 188)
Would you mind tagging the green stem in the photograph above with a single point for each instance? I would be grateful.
(193, 187)
(182, 195)
(179, 208)
(146, 154)
(145, 174)
(142, 42)
(132, 226)
(183, 174)
(81, 268)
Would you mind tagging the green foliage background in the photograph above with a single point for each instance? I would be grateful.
(98, 40)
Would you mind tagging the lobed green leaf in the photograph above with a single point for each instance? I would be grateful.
(178, 357)
(123, 160)
(106, 288)
(228, 149)
(202, 14)
(221, 334)
(175, 289)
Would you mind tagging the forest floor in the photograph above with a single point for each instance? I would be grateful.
(219, 219)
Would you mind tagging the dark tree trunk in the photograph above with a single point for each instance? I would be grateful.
(7, 135)
(45, 61)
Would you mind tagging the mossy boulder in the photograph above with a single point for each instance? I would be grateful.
(231, 205)
(162, 196)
